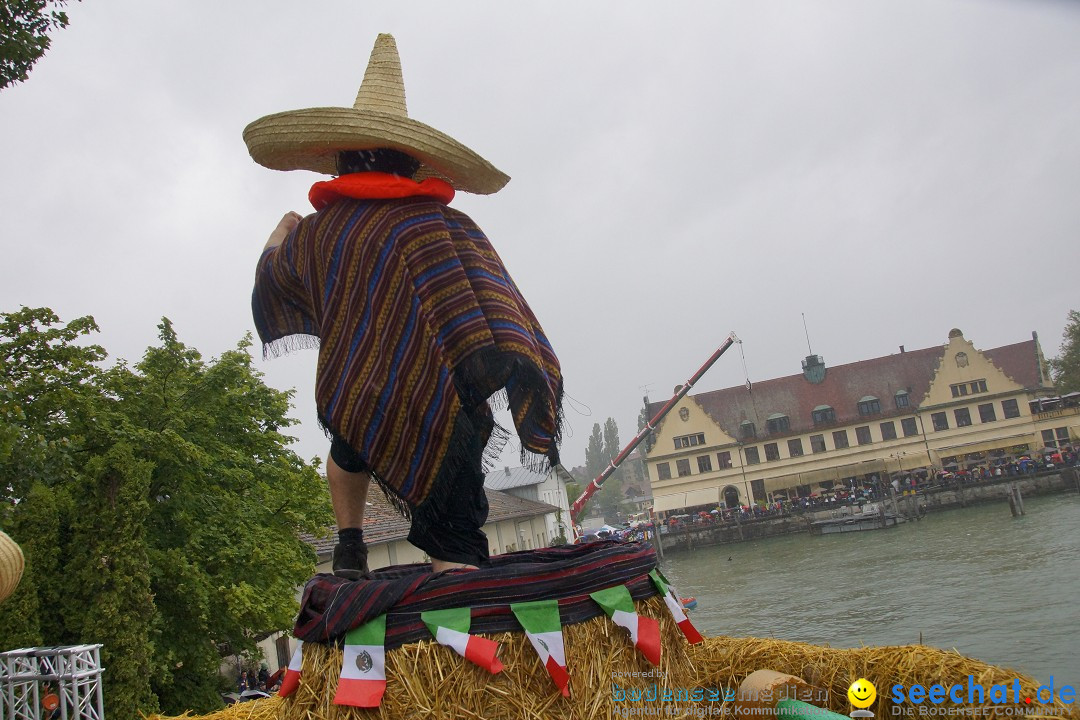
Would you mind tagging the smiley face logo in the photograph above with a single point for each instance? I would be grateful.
(862, 693)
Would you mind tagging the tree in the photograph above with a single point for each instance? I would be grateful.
(24, 35)
(1065, 368)
(178, 505)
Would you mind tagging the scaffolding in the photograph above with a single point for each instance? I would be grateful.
(72, 674)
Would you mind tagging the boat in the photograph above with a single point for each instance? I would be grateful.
(689, 603)
(871, 517)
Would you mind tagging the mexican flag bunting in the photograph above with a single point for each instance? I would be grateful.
(451, 628)
(363, 672)
(644, 631)
(544, 629)
(291, 681)
(676, 608)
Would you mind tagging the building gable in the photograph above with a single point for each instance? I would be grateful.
(687, 426)
(965, 371)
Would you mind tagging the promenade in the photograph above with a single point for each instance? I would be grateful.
(911, 507)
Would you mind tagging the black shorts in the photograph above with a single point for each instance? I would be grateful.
(451, 530)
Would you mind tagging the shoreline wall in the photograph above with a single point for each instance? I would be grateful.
(1066, 480)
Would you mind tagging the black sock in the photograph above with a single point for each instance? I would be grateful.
(350, 536)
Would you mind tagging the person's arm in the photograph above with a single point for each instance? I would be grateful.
(285, 226)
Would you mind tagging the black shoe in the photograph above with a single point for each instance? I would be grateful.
(350, 562)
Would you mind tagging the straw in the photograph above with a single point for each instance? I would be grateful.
(12, 564)
(310, 139)
(428, 680)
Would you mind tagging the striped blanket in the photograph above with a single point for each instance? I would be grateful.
(332, 606)
(414, 314)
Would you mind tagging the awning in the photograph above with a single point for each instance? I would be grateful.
(1001, 443)
(831, 474)
(685, 499)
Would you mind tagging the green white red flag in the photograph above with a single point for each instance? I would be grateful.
(544, 630)
(644, 631)
(363, 672)
(291, 681)
(451, 628)
(676, 608)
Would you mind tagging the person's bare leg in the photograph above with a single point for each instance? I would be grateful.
(348, 493)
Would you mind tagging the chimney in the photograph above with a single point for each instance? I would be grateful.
(901, 349)
(507, 469)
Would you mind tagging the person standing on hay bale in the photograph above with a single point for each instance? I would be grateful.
(417, 321)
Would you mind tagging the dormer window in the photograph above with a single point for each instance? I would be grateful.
(823, 415)
(747, 430)
(778, 423)
(902, 400)
(869, 405)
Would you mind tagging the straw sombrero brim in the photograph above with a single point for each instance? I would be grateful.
(310, 140)
(11, 565)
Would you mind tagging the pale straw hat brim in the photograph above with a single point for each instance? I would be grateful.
(11, 565)
(310, 140)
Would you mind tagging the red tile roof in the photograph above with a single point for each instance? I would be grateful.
(844, 386)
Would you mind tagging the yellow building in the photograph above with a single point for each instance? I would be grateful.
(804, 434)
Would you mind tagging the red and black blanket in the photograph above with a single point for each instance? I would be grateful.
(332, 606)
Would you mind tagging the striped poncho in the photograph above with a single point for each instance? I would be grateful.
(414, 314)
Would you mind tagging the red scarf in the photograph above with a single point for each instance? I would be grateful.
(377, 186)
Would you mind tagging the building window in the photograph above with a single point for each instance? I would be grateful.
(747, 430)
(704, 463)
(963, 417)
(772, 452)
(817, 443)
(794, 447)
(823, 415)
(902, 399)
(909, 426)
(752, 456)
(839, 439)
(682, 467)
(862, 435)
(869, 405)
(723, 459)
(941, 421)
(1048, 438)
(986, 413)
(663, 471)
(968, 388)
(888, 430)
(1010, 409)
(685, 441)
(1062, 436)
(778, 424)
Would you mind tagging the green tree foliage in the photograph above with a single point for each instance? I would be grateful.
(177, 504)
(1065, 368)
(24, 35)
(602, 449)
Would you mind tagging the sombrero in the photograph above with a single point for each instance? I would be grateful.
(310, 139)
(11, 565)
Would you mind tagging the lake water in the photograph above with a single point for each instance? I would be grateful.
(1004, 590)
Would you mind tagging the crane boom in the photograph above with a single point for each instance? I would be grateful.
(597, 482)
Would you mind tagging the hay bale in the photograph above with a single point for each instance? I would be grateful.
(428, 680)
(11, 565)
(726, 660)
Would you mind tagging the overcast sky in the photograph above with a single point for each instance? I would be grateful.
(679, 171)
